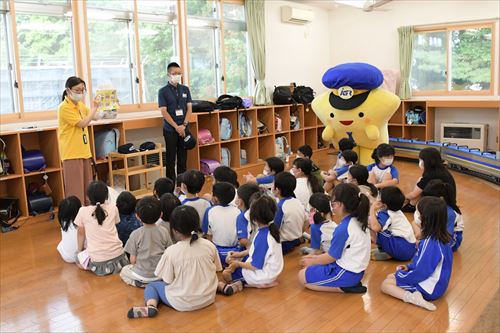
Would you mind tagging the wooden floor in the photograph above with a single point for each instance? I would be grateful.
(41, 293)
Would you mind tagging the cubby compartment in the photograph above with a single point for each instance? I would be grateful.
(55, 181)
(210, 121)
(266, 147)
(395, 131)
(251, 114)
(266, 117)
(310, 119)
(211, 152)
(105, 127)
(232, 116)
(287, 143)
(397, 117)
(297, 140)
(45, 141)
(15, 188)
(13, 154)
(251, 148)
(283, 112)
(297, 111)
(311, 138)
(414, 132)
(234, 153)
(411, 105)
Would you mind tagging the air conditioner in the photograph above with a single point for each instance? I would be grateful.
(471, 135)
(296, 15)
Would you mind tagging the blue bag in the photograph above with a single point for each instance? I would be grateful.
(226, 129)
(106, 142)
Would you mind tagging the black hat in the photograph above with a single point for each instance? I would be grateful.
(148, 145)
(127, 148)
(188, 142)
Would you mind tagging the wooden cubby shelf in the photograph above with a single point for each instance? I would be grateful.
(234, 151)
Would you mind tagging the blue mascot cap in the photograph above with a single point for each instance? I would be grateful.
(351, 84)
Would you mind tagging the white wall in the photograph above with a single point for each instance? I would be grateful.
(372, 36)
(296, 53)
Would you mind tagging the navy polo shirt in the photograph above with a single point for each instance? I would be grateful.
(174, 98)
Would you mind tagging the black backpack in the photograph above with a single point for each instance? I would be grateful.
(203, 106)
(283, 95)
(303, 94)
(228, 102)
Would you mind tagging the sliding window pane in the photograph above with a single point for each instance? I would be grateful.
(6, 101)
(46, 59)
(470, 59)
(157, 7)
(111, 4)
(202, 62)
(234, 12)
(201, 8)
(157, 49)
(429, 61)
(237, 66)
(110, 57)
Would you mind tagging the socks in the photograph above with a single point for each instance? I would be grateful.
(378, 254)
(417, 299)
(142, 312)
(236, 286)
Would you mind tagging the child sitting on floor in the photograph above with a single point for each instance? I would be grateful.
(274, 165)
(358, 175)
(68, 246)
(145, 245)
(306, 152)
(245, 229)
(192, 183)
(333, 176)
(163, 185)
(383, 173)
(168, 202)
(322, 225)
(126, 202)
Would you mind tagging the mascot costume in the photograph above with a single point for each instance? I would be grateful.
(355, 107)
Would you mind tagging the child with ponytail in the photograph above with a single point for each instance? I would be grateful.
(187, 269)
(322, 225)
(307, 183)
(342, 267)
(263, 262)
(97, 225)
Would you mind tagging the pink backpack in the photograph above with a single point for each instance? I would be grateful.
(204, 136)
(208, 166)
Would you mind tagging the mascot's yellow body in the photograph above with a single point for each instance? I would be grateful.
(365, 123)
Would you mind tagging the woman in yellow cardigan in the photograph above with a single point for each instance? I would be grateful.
(74, 117)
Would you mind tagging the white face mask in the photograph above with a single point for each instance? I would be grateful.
(387, 161)
(175, 78)
(421, 164)
(266, 172)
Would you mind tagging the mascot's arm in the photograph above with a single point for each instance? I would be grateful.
(328, 133)
(371, 131)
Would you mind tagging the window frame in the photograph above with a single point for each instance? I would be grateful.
(447, 29)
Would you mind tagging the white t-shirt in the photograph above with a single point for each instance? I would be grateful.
(321, 235)
(200, 204)
(397, 224)
(220, 222)
(351, 245)
(290, 218)
(190, 272)
(267, 256)
(303, 192)
(68, 246)
(381, 172)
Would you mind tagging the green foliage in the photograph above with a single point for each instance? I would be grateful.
(204, 8)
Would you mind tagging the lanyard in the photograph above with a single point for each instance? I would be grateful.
(177, 95)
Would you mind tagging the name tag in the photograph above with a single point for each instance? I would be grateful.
(184, 95)
(179, 112)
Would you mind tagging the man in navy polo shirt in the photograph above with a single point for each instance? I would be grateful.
(174, 101)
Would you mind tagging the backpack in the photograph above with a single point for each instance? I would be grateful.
(38, 201)
(33, 160)
(303, 94)
(228, 102)
(245, 125)
(243, 157)
(261, 127)
(225, 156)
(106, 142)
(208, 166)
(4, 161)
(203, 106)
(282, 147)
(226, 129)
(205, 136)
(294, 120)
(247, 102)
(283, 95)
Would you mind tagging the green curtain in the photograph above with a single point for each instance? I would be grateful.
(254, 11)
(405, 53)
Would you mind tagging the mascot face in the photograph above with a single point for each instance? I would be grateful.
(355, 107)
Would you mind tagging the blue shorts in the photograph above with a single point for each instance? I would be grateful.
(397, 247)
(456, 241)
(332, 275)
(288, 246)
(224, 250)
(238, 275)
(413, 288)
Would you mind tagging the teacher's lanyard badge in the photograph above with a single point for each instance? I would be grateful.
(178, 112)
(84, 136)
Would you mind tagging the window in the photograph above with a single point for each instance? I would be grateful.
(158, 44)
(236, 53)
(453, 59)
(44, 37)
(111, 47)
(6, 97)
